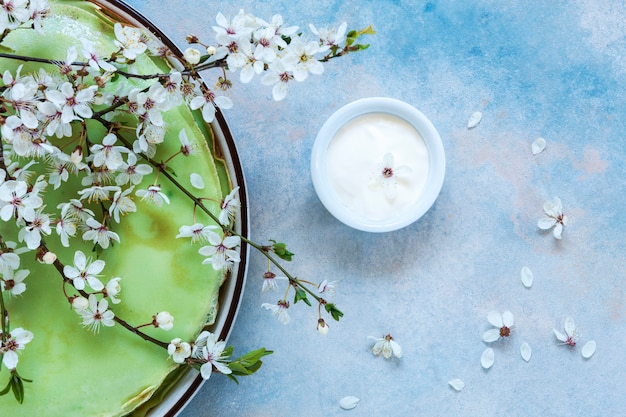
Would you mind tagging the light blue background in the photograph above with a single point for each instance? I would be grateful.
(555, 69)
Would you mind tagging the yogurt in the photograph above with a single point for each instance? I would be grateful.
(358, 169)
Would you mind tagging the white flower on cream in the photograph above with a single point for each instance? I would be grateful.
(387, 175)
(387, 346)
(554, 217)
(164, 320)
(153, 194)
(197, 232)
(192, 56)
(179, 350)
(502, 323)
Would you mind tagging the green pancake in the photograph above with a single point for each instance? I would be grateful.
(74, 371)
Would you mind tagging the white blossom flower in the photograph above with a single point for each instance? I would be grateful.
(278, 75)
(387, 346)
(179, 350)
(94, 60)
(322, 326)
(113, 289)
(108, 153)
(229, 207)
(303, 54)
(153, 194)
(122, 204)
(197, 232)
(13, 281)
(84, 271)
(220, 252)
(130, 41)
(208, 101)
(13, 13)
(330, 37)
(164, 320)
(18, 202)
(279, 310)
(99, 233)
(570, 337)
(131, 172)
(74, 105)
(186, 146)
(231, 31)
(326, 289)
(15, 341)
(387, 175)
(9, 259)
(554, 217)
(270, 281)
(23, 97)
(211, 351)
(74, 209)
(192, 56)
(96, 314)
(502, 323)
(38, 10)
(97, 193)
(35, 226)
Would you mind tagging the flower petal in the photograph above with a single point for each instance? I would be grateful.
(474, 119)
(560, 336)
(589, 349)
(546, 223)
(570, 326)
(349, 402)
(558, 231)
(396, 349)
(527, 277)
(538, 145)
(487, 358)
(525, 351)
(507, 319)
(457, 384)
(495, 318)
(196, 181)
(491, 335)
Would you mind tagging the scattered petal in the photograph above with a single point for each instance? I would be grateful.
(527, 277)
(487, 358)
(457, 384)
(538, 146)
(196, 181)
(349, 402)
(491, 335)
(474, 120)
(589, 349)
(526, 351)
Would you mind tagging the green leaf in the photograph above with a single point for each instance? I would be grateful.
(333, 311)
(301, 295)
(6, 389)
(280, 249)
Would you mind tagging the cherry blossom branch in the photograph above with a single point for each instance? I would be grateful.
(42, 249)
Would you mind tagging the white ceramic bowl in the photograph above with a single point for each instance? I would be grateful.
(434, 177)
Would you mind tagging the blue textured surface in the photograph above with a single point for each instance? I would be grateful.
(553, 69)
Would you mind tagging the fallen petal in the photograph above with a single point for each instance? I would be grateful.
(546, 223)
(474, 120)
(457, 384)
(526, 351)
(589, 349)
(487, 358)
(559, 335)
(538, 145)
(197, 181)
(527, 277)
(495, 318)
(349, 402)
(491, 335)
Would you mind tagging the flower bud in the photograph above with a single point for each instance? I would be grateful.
(192, 39)
(80, 303)
(192, 56)
(322, 327)
(164, 320)
(211, 50)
